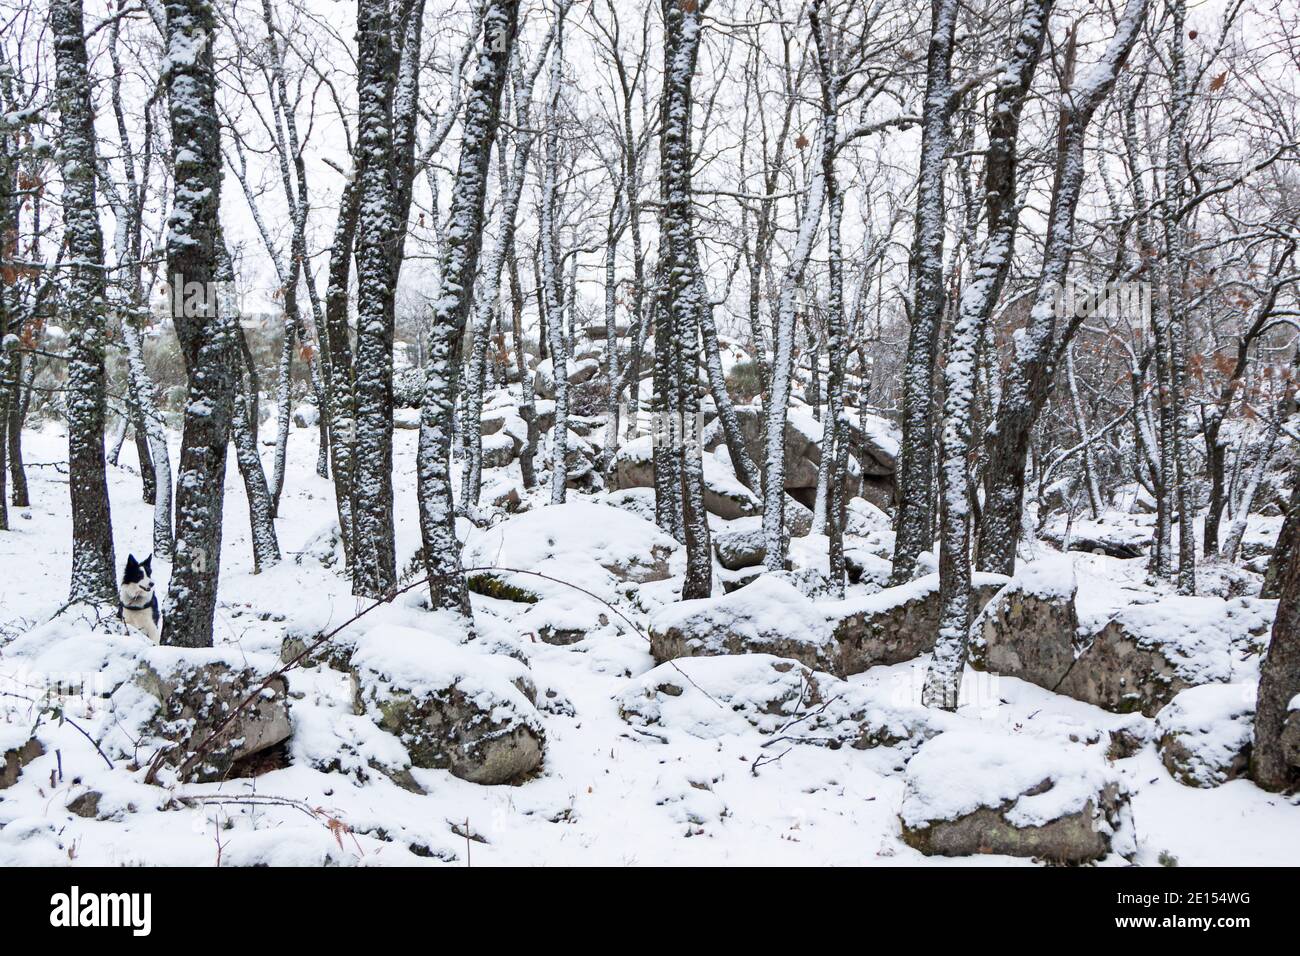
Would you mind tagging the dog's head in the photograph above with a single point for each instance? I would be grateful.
(138, 575)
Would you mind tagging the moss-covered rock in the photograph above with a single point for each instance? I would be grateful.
(893, 625)
(974, 792)
(1205, 734)
(452, 708)
(1144, 656)
(768, 616)
(1028, 630)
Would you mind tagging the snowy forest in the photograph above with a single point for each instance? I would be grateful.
(570, 432)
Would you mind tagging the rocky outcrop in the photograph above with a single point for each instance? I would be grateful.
(190, 693)
(767, 616)
(452, 709)
(499, 449)
(578, 533)
(1148, 653)
(971, 793)
(1029, 628)
(893, 625)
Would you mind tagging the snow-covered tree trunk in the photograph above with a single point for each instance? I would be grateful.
(476, 383)
(266, 546)
(342, 420)
(1029, 378)
(94, 575)
(667, 418)
(1152, 437)
(1241, 513)
(374, 570)
(207, 342)
(140, 383)
(617, 222)
(148, 480)
(1279, 676)
(778, 400)
(527, 405)
(1175, 270)
(964, 353)
(832, 471)
(9, 364)
(511, 177)
(914, 519)
(451, 309)
(283, 388)
(551, 277)
(1287, 549)
(684, 293)
(746, 471)
(1081, 423)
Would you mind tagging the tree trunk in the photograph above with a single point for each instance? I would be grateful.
(684, 294)
(94, 576)
(551, 279)
(914, 521)
(451, 309)
(964, 354)
(1279, 677)
(374, 561)
(207, 341)
(342, 404)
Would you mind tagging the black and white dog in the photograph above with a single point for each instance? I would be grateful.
(138, 604)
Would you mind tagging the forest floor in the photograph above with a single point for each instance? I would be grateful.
(606, 793)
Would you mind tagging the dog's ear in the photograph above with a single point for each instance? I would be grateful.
(131, 562)
(147, 564)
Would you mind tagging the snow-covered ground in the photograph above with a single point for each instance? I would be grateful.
(612, 790)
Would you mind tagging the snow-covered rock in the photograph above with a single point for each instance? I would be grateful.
(179, 699)
(724, 495)
(452, 708)
(637, 501)
(1029, 628)
(970, 792)
(712, 697)
(1098, 537)
(1205, 733)
(18, 748)
(740, 544)
(863, 519)
(306, 415)
(499, 449)
(578, 532)
(579, 372)
(895, 624)
(563, 619)
(1149, 652)
(767, 616)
